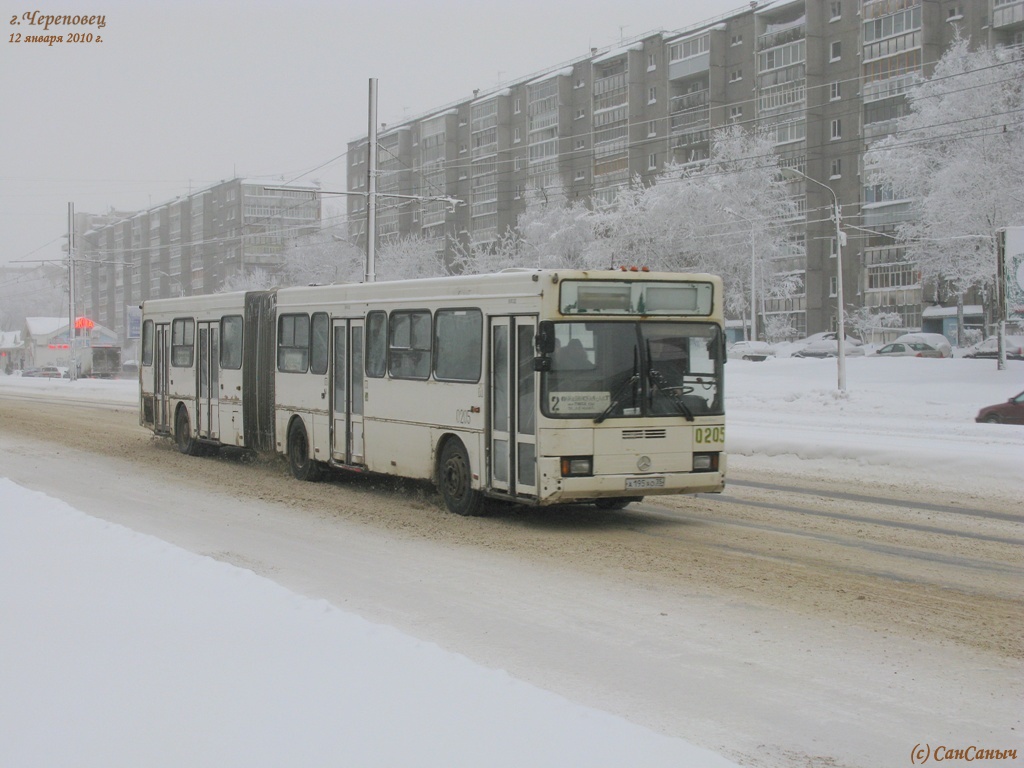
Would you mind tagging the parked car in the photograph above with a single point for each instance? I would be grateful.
(751, 350)
(989, 348)
(826, 344)
(46, 372)
(1010, 412)
(936, 340)
(908, 349)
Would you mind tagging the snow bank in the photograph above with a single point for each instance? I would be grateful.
(121, 650)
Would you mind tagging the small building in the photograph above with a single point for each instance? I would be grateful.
(12, 351)
(47, 342)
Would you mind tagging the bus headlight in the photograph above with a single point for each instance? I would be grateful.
(577, 466)
(705, 462)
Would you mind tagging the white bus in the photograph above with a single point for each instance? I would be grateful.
(535, 386)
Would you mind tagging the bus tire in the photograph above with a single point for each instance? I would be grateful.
(303, 466)
(455, 480)
(187, 444)
(616, 503)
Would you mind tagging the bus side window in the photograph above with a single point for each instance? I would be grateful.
(231, 342)
(147, 342)
(319, 348)
(183, 337)
(376, 344)
(458, 340)
(409, 348)
(293, 344)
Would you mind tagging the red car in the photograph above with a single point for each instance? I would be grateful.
(1010, 412)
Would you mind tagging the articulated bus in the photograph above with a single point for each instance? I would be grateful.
(534, 386)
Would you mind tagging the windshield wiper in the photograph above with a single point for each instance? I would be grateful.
(659, 382)
(620, 393)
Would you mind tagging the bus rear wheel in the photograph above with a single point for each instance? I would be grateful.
(455, 481)
(186, 443)
(302, 464)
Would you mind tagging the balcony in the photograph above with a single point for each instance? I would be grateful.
(780, 34)
(1007, 14)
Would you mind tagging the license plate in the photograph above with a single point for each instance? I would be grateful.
(644, 482)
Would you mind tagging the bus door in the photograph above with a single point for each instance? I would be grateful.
(161, 376)
(513, 424)
(208, 371)
(347, 397)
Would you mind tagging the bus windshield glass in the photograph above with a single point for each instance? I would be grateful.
(605, 370)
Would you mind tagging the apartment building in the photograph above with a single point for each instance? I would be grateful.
(191, 245)
(827, 77)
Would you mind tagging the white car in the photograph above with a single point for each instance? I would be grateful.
(908, 349)
(826, 344)
(936, 340)
(751, 350)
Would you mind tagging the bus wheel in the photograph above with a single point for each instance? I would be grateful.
(302, 464)
(183, 434)
(616, 503)
(455, 481)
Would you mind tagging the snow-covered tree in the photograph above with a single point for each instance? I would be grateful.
(723, 215)
(556, 233)
(505, 252)
(255, 279)
(322, 258)
(865, 321)
(410, 257)
(959, 156)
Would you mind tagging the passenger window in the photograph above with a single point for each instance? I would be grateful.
(409, 345)
(147, 342)
(321, 337)
(231, 342)
(183, 337)
(458, 339)
(376, 345)
(293, 344)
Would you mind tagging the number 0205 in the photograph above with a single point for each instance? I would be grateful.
(705, 435)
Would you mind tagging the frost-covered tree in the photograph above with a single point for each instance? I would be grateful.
(959, 156)
(410, 257)
(322, 258)
(864, 321)
(506, 252)
(717, 216)
(555, 233)
(256, 279)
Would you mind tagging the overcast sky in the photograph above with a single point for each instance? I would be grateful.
(181, 95)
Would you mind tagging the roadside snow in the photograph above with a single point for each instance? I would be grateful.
(121, 650)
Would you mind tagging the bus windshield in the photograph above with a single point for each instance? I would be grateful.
(605, 370)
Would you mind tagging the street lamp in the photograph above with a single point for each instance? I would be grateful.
(753, 275)
(840, 242)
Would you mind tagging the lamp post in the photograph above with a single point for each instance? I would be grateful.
(840, 241)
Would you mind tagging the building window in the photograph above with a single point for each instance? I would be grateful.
(835, 51)
(837, 129)
(652, 62)
(581, 113)
(834, 91)
(735, 75)
(516, 137)
(736, 40)
(837, 11)
(833, 251)
(837, 168)
(652, 161)
(581, 144)
(518, 106)
(652, 95)
(735, 113)
(833, 286)
(580, 83)
(581, 175)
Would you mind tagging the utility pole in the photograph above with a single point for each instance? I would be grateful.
(72, 354)
(371, 185)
